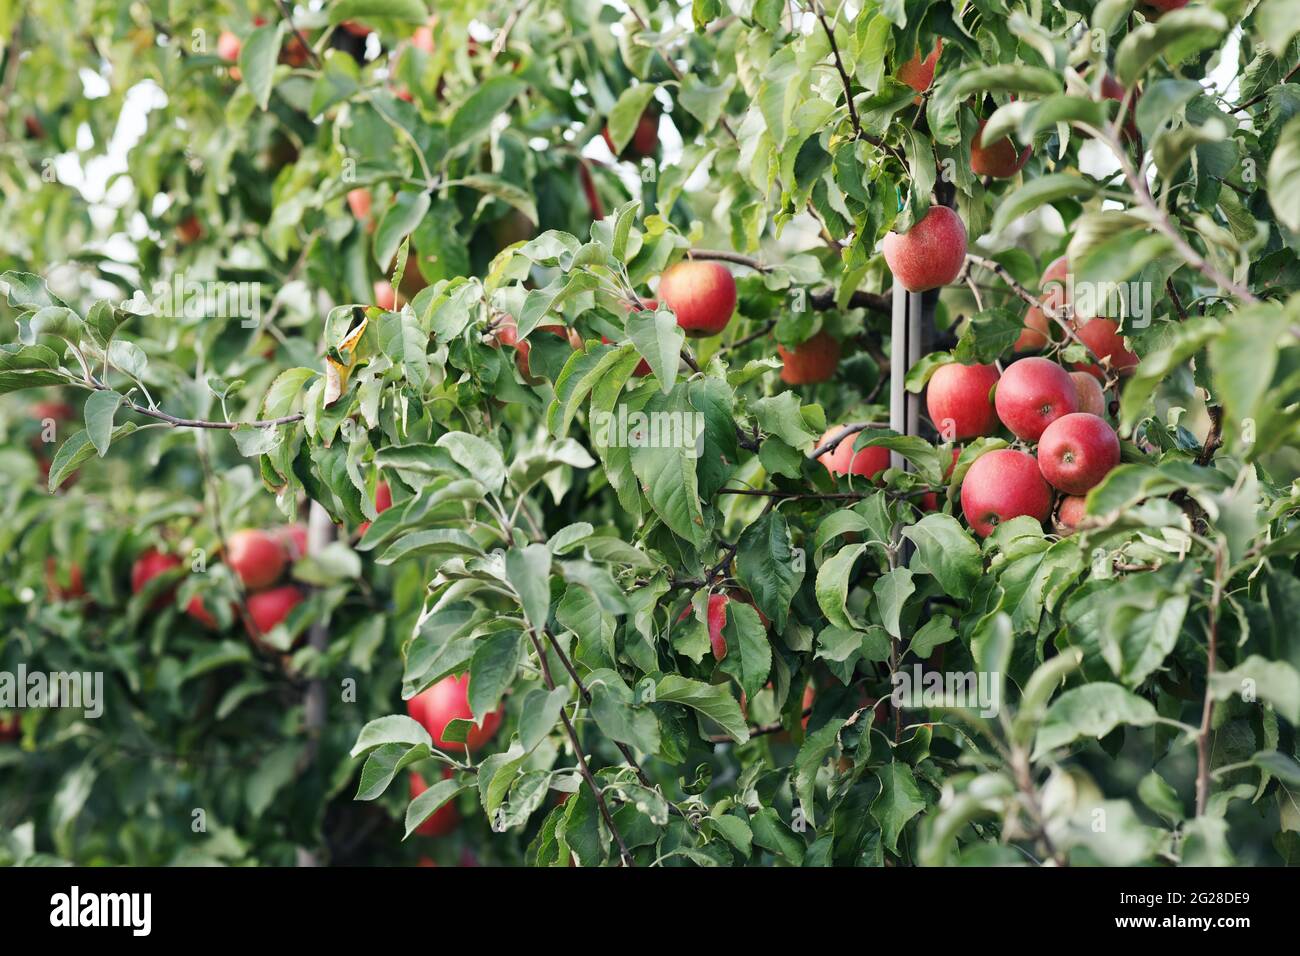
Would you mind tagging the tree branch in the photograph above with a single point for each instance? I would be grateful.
(833, 442)
(820, 12)
(624, 854)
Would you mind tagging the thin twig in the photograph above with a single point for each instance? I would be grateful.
(288, 18)
(1259, 96)
(833, 442)
(193, 422)
(503, 37)
(583, 769)
(820, 13)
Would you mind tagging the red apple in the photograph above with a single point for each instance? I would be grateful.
(11, 728)
(58, 411)
(1033, 393)
(1112, 89)
(701, 294)
(228, 46)
(55, 582)
(293, 538)
(359, 203)
(867, 463)
(717, 620)
(1002, 485)
(647, 305)
(385, 297)
(930, 254)
(1053, 293)
(1091, 398)
(1077, 451)
(147, 567)
(814, 360)
(918, 73)
(256, 556)
(644, 139)
(196, 610)
(959, 400)
(355, 28)
(1102, 336)
(998, 160)
(383, 501)
(1162, 6)
(1073, 510)
(446, 701)
(444, 819)
(269, 608)
(190, 230)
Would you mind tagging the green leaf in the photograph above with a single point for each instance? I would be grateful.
(76, 451)
(666, 467)
(768, 567)
(892, 590)
(1156, 793)
(430, 802)
(618, 715)
(659, 339)
(1174, 36)
(781, 415)
(492, 670)
(477, 456)
(257, 58)
(934, 632)
(704, 101)
(539, 714)
(626, 114)
(1257, 678)
(808, 761)
(400, 220)
(395, 729)
(898, 801)
(528, 570)
(832, 587)
(714, 701)
(1284, 176)
(483, 106)
(409, 11)
(1037, 192)
(947, 551)
(100, 409)
(384, 763)
(1093, 710)
(744, 630)
(1276, 22)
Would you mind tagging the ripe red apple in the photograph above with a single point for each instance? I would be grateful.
(1091, 398)
(190, 230)
(930, 500)
(383, 501)
(228, 46)
(256, 556)
(644, 139)
(61, 588)
(269, 608)
(1077, 451)
(1113, 89)
(446, 701)
(1002, 485)
(1102, 336)
(1033, 393)
(293, 538)
(1158, 7)
(918, 73)
(445, 819)
(58, 411)
(930, 254)
(1053, 293)
(1073, 510)
(148, 566)
(196, 610)
(814, 360)
(701, 294)
(385, 297)
(11, 728)
(717, 620)
(998, 160)
(958, 399)
(867, 463)
(359, 203)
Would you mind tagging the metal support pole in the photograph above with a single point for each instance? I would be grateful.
(906, 348)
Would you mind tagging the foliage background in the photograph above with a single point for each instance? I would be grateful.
(1102, 637)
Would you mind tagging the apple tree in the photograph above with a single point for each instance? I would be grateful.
(472, 425)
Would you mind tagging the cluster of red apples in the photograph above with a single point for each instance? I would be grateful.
(259, 559)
